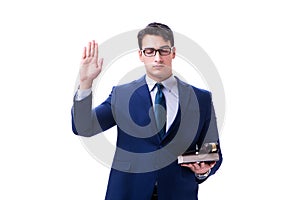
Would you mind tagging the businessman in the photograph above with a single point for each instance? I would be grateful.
(158, 118)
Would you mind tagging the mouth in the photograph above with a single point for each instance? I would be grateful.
(158, 66)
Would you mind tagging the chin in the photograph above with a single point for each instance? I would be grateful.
(161, 77)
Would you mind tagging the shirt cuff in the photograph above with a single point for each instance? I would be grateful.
(203, 176)
(81, 94)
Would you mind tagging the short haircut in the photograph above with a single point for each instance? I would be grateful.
(158, 29)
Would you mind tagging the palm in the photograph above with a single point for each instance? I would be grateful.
(91, 66)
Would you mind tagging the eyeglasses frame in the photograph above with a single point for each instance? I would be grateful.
(157, 50)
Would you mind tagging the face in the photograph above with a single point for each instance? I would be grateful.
(157, 67)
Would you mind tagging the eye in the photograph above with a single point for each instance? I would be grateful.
(149, 50)
(164, 51)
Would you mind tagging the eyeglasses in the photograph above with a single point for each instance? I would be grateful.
(150, 52)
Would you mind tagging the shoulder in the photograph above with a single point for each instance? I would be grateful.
(198, 91)
(131, 85)
(203, 96)
(126, 90)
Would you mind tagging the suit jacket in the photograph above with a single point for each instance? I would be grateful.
(142, 158)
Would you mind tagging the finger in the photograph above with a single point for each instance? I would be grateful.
(187, 165)
(196, 166)
(96, 50)
(212, 164)
(92, 48)
(84, 53)
(202, 164)
(88, 50)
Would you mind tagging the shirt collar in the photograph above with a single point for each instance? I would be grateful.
(169, 84)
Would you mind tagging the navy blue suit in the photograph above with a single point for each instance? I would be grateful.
(142, 158)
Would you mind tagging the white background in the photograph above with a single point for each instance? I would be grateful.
(255, 46)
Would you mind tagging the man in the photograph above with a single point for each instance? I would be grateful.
(158, 117)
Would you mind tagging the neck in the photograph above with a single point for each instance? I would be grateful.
(159, 79)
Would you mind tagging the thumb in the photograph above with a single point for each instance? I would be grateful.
(100, 62)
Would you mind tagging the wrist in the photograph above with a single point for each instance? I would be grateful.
(203, 176)
(83, 85)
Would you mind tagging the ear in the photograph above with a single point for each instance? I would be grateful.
(173, 52)
(141, 56)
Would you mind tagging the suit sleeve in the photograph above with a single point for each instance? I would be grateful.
(211, 134)
(87, 121)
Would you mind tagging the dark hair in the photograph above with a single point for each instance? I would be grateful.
(156, 29)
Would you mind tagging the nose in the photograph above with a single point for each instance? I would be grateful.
(157, 57)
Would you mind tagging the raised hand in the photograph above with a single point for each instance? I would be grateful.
(90, 66)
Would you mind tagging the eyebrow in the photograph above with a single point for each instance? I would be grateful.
(161, 47)
(164, 46)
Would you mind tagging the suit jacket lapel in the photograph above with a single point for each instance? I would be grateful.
(184, 94)
(145, 97)
(144, 94)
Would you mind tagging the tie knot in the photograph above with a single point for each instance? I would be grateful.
(159, 86)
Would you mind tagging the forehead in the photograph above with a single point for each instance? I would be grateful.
(154, 41)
